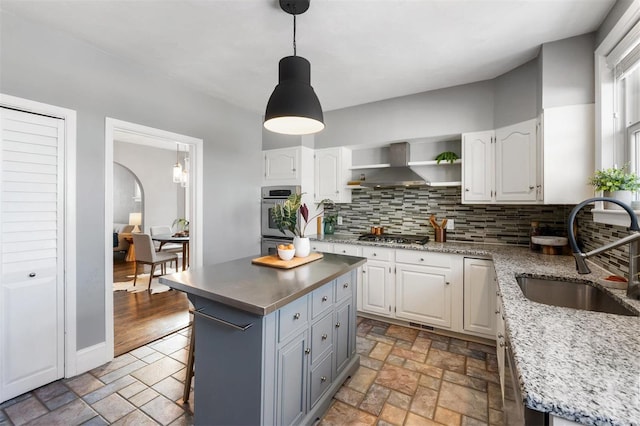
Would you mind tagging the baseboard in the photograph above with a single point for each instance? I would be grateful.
(92, 357)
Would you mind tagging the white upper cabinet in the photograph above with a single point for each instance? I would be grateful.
(282, 165)
(516, 152)
(477, 173)
(331, 175)
(501, 166)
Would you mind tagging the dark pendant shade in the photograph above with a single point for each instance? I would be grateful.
(293, 107)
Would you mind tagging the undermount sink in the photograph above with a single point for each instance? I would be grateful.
(571, 294)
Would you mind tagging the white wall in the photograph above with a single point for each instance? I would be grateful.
(153, 166)
(50, 66)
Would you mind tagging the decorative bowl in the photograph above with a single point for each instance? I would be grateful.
(286, 254)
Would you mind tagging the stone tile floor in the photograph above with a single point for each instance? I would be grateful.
(406, 377)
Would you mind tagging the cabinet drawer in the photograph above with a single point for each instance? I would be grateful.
(347, 249)
(320, 246)
(322, 300)
(321, 338)
(292, 318)
(378, 253)
(417, 257)
(320, 379)
(344, 287)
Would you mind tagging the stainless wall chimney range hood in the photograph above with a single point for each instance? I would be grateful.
(399, 174)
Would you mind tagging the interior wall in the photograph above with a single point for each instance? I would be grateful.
(125, 191)
(447, 111)
(568, 73)
(50, 66)
(515, 95)
(154, 167)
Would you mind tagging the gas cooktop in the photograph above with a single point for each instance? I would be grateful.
(395, 238)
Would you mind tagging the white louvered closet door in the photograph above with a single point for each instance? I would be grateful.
(31, 261)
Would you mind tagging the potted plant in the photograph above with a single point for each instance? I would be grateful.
(285, 216)
(182, 227)
(330, 223)
(616, 183)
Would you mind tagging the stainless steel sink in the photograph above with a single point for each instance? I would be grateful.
(570, 294)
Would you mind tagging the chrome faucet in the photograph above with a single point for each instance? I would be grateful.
(633, 289)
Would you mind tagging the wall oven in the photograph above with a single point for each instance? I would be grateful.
(271, 235)
(272, 195)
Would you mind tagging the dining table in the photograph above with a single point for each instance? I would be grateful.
(178, 239)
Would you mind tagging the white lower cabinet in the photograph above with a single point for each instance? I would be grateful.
(377, 281)
(479, 297)
(423, 294)
(321, 246)
(500, 339)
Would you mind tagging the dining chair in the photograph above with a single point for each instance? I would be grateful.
(164, 230)
(146, 254)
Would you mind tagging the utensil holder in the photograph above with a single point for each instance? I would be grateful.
(441, 235)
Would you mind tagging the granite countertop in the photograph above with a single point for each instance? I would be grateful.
(259, 289)
(579, 365)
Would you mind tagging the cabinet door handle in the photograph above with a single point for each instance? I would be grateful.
(421, 259)
(338, 324)
(324, 299)
(503, 344)
(344, 251)
(498, 293)
(531, 188)
(374, 254)
(307, 351)
(296, 316)
(497, 311)
(324, 336)
(500, 336)
(323, 379)
(337, 192)
(364, 272)
(447, 282)
(293, 170)
(466, 190)
(345, 285)
(32, 274)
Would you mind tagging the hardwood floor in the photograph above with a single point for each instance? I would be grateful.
(141, 318)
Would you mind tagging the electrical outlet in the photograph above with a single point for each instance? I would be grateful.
(450, 224)
(339, 220)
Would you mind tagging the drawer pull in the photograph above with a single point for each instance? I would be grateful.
(32, 274)
(503, 345)
(421, 259)
(345, 285)
(500, 336)
(307, 351)
(324, 336)
(447, 282)
(338, 324)
(323, 379)
(324, 299)
(497, 311)
(344, 251)
(374, 254)
(296, 316)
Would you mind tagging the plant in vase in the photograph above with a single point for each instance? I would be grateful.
(330, 223)
(182, 227)
(285, 216)
(616, 183)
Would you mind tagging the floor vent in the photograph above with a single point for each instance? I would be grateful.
(422, 326)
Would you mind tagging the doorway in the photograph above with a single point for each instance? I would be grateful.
(117, 130)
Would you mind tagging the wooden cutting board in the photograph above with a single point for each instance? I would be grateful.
(275, 262)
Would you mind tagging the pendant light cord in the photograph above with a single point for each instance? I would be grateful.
(294, 35)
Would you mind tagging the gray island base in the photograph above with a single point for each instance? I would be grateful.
(272, 346)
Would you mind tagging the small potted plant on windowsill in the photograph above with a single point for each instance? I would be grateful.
(617, 183)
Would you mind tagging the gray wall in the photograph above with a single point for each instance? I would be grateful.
(163, 199)
(448, 111)
(616, 12)
(51, 67)
(568, 76)
(125, 191)
(515, 95)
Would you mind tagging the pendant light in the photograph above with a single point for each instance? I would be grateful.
(294, 108)
(177, 168)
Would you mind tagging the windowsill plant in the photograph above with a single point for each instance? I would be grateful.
(617, 183)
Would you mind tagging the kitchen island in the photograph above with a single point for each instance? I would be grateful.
(272, 345)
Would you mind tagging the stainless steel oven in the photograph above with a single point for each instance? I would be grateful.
(272, 195)
(269, 245)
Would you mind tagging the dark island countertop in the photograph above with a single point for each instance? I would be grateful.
(259, 289)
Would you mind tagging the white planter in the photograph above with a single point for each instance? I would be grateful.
(302, 245)
(624, 196)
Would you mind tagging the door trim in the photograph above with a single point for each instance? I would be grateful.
(69, 249)
(195, 199)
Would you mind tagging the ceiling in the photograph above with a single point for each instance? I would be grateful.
(360, 50)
